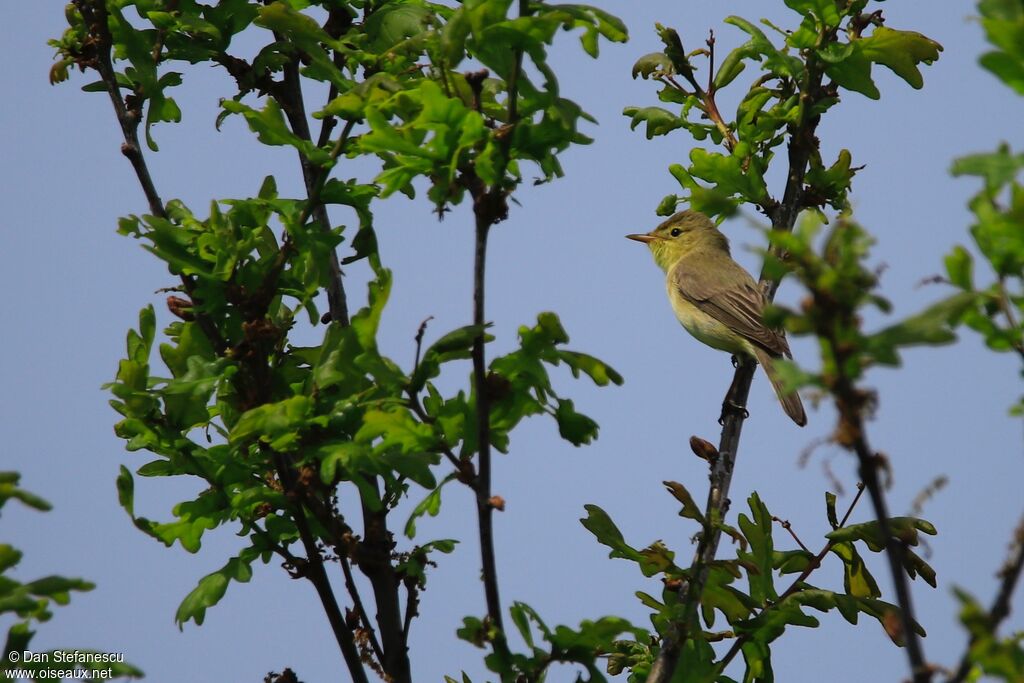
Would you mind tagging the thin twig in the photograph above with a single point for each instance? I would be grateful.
(711, 61)
(318, 576)
(411, 606)
(95, 14)
(784, 523)
(290, 96)
(357, 602)
(419, 342)
(1004, 306)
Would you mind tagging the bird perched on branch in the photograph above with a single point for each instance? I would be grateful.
(717, 301)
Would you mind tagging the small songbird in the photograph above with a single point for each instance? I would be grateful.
(717, 301)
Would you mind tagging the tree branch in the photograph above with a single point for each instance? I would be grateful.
(802, 143)
(483, 428)
(293, 105)
(317, 575)
(850, 404)
(489, 207)
(357, 603)
(95, 14)
(373, 557)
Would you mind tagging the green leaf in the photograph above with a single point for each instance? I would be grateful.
(390, 24)
(731, 67)
(658, 121)
(904, 528)
(597, 370)
(823, 10)
(431, 505)
(652, 560)
(901, 51)
(1006, 67)
(959, 267)
(395, 428)
(758, 531)
(857, 580)
(574, 427)
(850, 68)
(690, 508)
(9, 490)
(996, 168)
(999, 658)
(931, 327)
(271, 128)
(277, 424)
(830, 509)
(212, 587)
(652, 63)
(729, 175)
(775, 61)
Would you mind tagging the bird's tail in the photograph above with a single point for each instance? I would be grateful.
(790, 401)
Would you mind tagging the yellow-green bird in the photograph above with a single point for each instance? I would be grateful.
(717, 301)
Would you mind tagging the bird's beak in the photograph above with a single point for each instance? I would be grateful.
(646, 238)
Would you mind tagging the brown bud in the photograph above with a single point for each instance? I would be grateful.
(674, 585)
(180, 307)
(351, 618)
(704, 450)
(466, 474)
(307, 476)
(497, 502)
(503, 132)
(475, 79)
(497, 386)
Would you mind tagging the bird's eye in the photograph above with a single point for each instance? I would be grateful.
(676, 232)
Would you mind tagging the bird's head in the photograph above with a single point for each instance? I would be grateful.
(685, 232)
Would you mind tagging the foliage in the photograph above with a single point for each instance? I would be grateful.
(32, 602)
(297, 445)
(802, 73)
(278, 431)
(759, 610)
(996, 314)
(998, 208)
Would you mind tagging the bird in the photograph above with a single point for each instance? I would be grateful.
(715, 299)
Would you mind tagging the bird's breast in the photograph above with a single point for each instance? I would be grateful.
(704, 327)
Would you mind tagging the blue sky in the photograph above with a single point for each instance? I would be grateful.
(72, 287)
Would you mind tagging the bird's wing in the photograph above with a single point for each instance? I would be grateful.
(739, 307)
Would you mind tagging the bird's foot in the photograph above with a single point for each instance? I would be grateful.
(735, 360)
(731, 407)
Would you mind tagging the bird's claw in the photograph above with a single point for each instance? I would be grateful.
(735, 361)
(732, 407)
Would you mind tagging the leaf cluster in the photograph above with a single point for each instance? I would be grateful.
(802, 73)
(277, 431)
(32, 602)
(745, 590)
